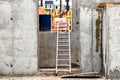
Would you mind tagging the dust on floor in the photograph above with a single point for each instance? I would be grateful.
(41, 78)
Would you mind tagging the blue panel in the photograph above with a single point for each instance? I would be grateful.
(45, 22)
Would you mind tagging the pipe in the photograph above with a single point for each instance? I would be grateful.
(67, 5)
(41, 3)
(60, 8)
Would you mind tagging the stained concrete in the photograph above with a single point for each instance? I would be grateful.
(47, 47)
(18, 36)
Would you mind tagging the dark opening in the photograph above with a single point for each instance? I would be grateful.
(81, 77)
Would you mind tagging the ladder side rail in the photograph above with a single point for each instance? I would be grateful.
(69, 45)
(57, 48)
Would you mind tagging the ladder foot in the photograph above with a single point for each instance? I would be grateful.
(56, 74)
(70, 73)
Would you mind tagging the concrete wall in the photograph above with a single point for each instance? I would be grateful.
(47, 47)
(86, 29)
(112, 40)
(18, 36)
(90, 59)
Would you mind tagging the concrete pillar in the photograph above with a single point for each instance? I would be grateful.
(111, 40)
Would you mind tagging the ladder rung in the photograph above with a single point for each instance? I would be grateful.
(63, 70)
(63, 45)
(63, 54)
(63, 42)
(62, 26)
(63, 65)
(63, 33)
(63, 49)
(63, 59)
(60, 30)
(63, 38)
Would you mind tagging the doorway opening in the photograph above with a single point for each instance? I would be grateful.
(49, 10)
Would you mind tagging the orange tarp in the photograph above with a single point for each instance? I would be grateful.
(42, 10)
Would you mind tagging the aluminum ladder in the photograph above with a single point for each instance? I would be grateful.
(63, 50)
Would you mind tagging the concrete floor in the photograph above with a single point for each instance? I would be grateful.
(42, 78)
(46, 74)
(52, 71)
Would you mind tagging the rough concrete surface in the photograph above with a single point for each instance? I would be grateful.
(18, 36)
(114, 37)
(86, 39)
(90, 60)
(113, 41)
(47, 48)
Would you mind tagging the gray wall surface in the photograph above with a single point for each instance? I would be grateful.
(18, 36)
(90, 60)
(112, 40)
(47, 48)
